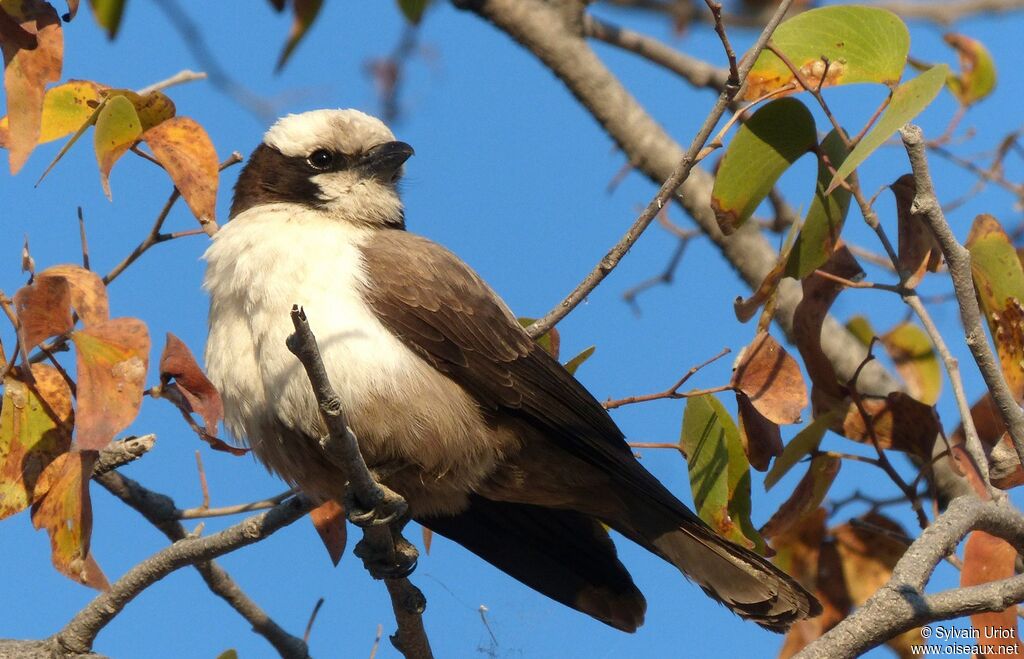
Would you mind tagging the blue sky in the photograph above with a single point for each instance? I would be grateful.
(510, 172)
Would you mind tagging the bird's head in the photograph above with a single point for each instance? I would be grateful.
(342, 162)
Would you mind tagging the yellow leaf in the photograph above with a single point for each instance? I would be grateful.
(186, 152)
(117, 128)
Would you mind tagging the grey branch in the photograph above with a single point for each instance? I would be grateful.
(945, 13)
(161, 512)
(80, 633)
(121, 452)
(902, 603)
(958, 259)
(341, 447)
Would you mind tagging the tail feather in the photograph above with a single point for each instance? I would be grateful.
(560, 553)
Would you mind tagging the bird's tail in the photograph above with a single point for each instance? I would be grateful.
(743, 581)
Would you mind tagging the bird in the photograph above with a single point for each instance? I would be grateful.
(491, 442)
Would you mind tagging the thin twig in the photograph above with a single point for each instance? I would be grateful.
(312, 619)
(222, 511)
(667, 190)
(179, 78)
(202, 482)
(673, 391)
(84, 240)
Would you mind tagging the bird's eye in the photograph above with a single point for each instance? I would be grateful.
(321, 159)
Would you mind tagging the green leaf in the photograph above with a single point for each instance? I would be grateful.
(861, 329)
(413, 9)
(806, 441)
(719, 471)
(861, 44)
(763, 148)
(117, 128)
(977, 76)
(915, 359)
(824, 221)
(550, 340)
(908, 100)
(573, 364)
(230, 654)
(108, 14)
(306, 12)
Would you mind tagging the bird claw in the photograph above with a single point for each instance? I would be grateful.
(390, 509)
(382, 565)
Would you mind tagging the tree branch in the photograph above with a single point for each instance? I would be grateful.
(80, 633)
(902, 604)
(958, 260)
(382, 534)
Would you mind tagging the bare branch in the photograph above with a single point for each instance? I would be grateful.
(959, 263)
(80, 633)
(179, 78)
(121, 452)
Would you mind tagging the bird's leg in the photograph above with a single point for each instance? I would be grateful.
(391, 507)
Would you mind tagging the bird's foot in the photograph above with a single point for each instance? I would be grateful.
(382, 563)
(388, 510)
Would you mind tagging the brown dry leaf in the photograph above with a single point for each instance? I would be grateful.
(868, 558)
(11, 31)
(35, 427)
(746, 308)
(988, 558)
(771, 379)
(27, 71)
(88, 292)
(63, 508)
(112, 358)
(898, 422)
(809, 317)
(1003, 464)
(178, 364)
(761, 438)
(918, 250)
(186, 152)
(44, 310)
(329, 520)
(806, 497)
(428, 538)
(803, 554)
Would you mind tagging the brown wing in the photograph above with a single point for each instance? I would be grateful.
(445, 312)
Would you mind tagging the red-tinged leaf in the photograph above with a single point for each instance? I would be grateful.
(999, 281)
(306, 12)
(719, 471)
(35, 427)
(178, 364)
(771, 379)
(88, 292)
(807, 496)
(809, 318)
(918, 250)
(27, 71)
(112, 359)
(988, 558)
(868, 558)
(896, 421)
(761, 438)
(118, 128)
(63, 508)
(186, 152)
(44, 310)
(329, 520)
(72, 11)
(428, 539)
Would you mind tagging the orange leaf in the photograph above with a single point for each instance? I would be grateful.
(771, 379)
(27, 70)
(44, 310)
(329, 520)
(178, 364)
(88, 292)
(897, 421)
(63, 508)
(987, 559)
(186, 152)
(35, 427)
(112, 361)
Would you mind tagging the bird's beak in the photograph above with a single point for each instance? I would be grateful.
(384, 160)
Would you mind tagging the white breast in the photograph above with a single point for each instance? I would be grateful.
(272, 257)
